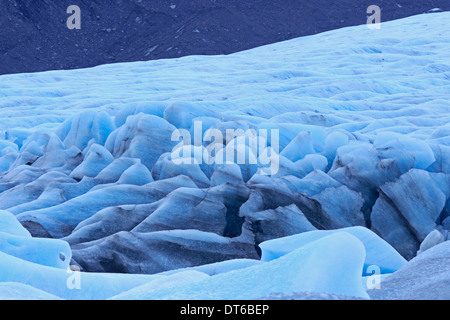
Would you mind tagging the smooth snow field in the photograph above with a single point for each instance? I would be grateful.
(355, 122)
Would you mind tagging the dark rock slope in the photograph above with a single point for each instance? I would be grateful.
(34, 36)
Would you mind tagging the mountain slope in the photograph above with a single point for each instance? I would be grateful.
(34, 36)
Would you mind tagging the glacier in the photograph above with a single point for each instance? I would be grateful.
(93, 205)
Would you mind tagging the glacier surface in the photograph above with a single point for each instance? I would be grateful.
(93, 206)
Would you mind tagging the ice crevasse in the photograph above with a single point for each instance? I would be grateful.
(317, 261)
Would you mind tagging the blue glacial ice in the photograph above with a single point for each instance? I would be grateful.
(87, 177)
